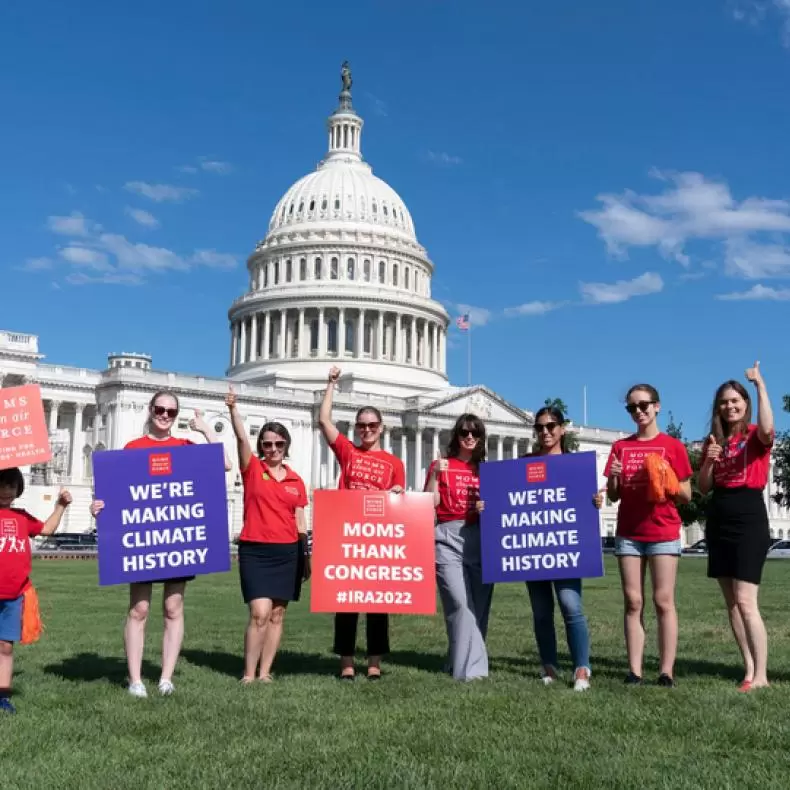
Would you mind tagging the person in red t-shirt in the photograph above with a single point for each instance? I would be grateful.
(735, 467)
(648, 532)
(363, 468)
(163, 410)
(17, 526)
(466, 600)
(273, 540)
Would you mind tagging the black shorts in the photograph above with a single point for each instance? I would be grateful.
(271, 570)
(738, 534)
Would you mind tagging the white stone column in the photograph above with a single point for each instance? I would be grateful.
(360, 334)
(234, 343)
(96, 426)
(302, 333)
(350, 431)
(254, 338)
(341, 332)
(413, 359)
(500, 448)
(398, 339)
(54, 407)
(316, 471)
(259, 274)
(387, 439)
(321, 333)
(281, 337)
(419, 476)
(435, 447)
(424, 345)
(379, 350)
(514, 448)
(77, 444)
(267, 333)
(404, 454)
(441, 348)
(434, 354)
(243, 354)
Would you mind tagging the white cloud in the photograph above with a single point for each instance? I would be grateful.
(213, 259)
(443, 158)
(85, 257)
(693, 208)
(73, 225)
(161, 192)
(478, 316)
(752, 260)
(215, 166)
(137, 257)
(755, 12)
(141, 217)
(533, 308)
(622, 290)
(187, 169)
(37, 264)
(108, 278)
(379, 105)
(758, 293)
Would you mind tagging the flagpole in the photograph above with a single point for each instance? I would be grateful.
(469, 355)
(585, 404)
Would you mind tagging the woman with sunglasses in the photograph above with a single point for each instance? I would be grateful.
(363, 467)
(466, 600)
(648, 533)
(273, 540)
(735, 467)
(163, 409)
(550, 435)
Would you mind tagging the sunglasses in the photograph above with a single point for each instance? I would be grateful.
(159, 411)
(278, 445)
(642, 406)
(550, 427)
(466, 432)
(367, 426)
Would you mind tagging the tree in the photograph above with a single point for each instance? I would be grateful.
(697, 509)
(571, 440)
(781, 455)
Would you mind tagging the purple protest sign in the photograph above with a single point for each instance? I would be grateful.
(165, 513)
(539, 521)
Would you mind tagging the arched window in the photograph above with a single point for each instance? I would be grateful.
(301, 206)
(323, 205)
(314, 336)
(291, 210)
(382, 271)
(266, 276)
(337, 204)
(375, 208)
(349, 337)
(406, 278)
(317, 269)
(366, 271)
(303, 268)
(331, 336)
(334, 269)
(312, 205)
(395, 274)
(276, 272)
(350, 269)
(384, 209)
(288, 270)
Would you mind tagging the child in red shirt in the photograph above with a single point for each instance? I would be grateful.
(17, 526)
(648, 532)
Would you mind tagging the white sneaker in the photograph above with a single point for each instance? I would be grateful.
(581, 679)
(549, 674)
(166, 688)
(138, 689)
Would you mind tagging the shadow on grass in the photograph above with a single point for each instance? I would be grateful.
(91, 667)
(427, 662)
(287, 662)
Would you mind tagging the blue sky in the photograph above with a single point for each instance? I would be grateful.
(604, 185)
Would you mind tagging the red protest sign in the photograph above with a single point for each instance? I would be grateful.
(373, 551)
(23, 431)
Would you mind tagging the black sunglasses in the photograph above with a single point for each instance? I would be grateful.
(546, 426)
(268, 445)
(367, 426)
(464, 432)
(161, 410)
(643, 406)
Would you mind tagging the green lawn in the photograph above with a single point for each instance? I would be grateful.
(417, 728)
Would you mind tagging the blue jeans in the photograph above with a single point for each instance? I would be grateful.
(569, 595)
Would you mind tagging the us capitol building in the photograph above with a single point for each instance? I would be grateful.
(339, 279)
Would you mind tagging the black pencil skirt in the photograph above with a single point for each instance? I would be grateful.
(737, 534)
(271, 570)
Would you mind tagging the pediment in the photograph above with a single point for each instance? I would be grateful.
(476, 400)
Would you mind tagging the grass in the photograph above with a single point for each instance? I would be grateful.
(417, 728)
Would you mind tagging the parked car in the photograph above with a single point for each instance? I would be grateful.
(607, 544)
(698, 548)
(780, 550)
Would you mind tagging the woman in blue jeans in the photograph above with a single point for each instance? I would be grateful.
(550, 434)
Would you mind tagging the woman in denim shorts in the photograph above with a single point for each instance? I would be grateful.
(648, 533)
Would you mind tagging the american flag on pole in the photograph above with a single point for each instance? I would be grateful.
(462, 322)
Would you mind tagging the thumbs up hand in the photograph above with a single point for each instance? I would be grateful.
(442, 464)
(753, 374)
(714, 450)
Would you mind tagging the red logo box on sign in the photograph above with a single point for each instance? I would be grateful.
(24, 439)
(373, 552)
(536, 473)
(160, 464)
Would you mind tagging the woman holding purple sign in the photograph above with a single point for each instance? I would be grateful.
(273, 541)
(163, 410)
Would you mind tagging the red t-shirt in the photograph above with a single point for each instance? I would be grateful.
(637, 518)
(459, 490)
(366, 470)
(17, 526)
(146, 443)
(270, 505)
(744, 462)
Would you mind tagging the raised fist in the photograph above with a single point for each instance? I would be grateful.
(64, 497)
(96, 507)
(230, 398)
(753, 374)
(334, 373)
(714, 450)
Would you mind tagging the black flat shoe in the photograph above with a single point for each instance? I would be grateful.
(346, 677)
(632, 680)
(666, 681)
(374, 675)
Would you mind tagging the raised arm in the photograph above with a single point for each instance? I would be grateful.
(53, 522)
(239, 429)
(765, 414)
(432, 481)
(325, 412)
(199, 425)
(613, 480)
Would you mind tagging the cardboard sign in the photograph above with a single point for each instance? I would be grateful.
(539, 521)
(24, 439)
(165, 513)
(373, 551)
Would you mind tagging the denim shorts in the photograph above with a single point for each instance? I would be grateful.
(625, 547)
(11, 620)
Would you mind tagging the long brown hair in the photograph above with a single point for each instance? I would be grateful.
(454, 446)
(720, 429)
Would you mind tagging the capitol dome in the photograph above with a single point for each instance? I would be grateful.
(340, 278)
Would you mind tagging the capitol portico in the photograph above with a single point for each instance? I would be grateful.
(339, 279)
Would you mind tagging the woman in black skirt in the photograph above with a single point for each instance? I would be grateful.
(736, 462)
(272, 561)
